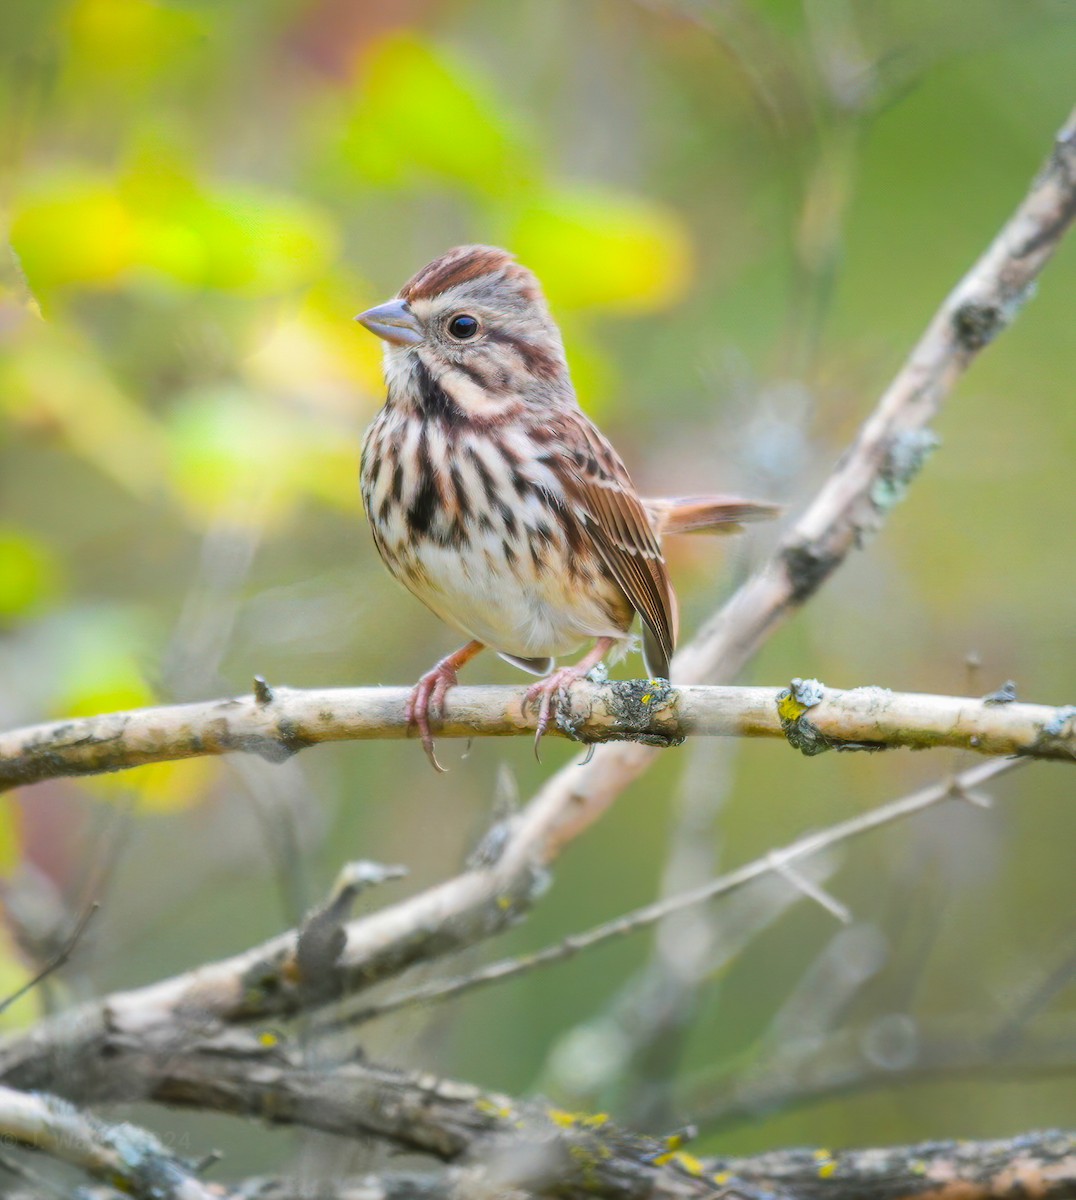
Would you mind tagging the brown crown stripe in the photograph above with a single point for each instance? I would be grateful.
(457, 266)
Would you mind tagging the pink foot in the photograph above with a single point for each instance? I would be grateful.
(428, 696)
(543, 695)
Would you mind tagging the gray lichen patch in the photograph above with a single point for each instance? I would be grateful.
(1056, 731)
(639, 710)
(808, 566)
(976, 323)
(904, 459)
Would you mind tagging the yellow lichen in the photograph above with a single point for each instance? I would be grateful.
(566, 1120)
(487, 1106)
(691, 1164)
(789, 708)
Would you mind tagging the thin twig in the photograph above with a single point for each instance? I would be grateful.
(894, 1050)
(57, 960)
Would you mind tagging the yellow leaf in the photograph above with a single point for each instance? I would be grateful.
(29, 574)
(158, 787)
(604, 250)
(70, 228)
(10, 840)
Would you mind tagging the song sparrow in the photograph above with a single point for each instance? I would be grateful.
(495, 500)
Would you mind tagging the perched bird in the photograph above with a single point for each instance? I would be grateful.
(496, 501)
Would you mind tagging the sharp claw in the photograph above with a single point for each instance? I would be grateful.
(427, 694)
(544, 696)
(427, 745)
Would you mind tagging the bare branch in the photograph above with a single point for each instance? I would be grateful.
(775, 861)
(647, 711)
(77, 1054)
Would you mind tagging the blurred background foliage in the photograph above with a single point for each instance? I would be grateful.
(743, 214)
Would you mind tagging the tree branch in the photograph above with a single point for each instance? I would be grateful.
(122, 1155)
(530, 1149)
(647, 711)
(1035, 1164)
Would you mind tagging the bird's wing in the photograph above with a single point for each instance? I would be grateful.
(599, 487)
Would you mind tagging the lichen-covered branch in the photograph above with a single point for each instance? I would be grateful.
(812, 718)
(502, 1146)
(122, 1155)
(1034, 1164)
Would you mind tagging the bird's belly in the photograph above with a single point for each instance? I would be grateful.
(530, 605)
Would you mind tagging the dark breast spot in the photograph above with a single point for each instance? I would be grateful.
(423, 510)
(463, 501)
(435, 401)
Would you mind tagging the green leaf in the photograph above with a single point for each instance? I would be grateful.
(421, 115)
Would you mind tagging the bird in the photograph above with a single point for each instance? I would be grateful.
(497, 502)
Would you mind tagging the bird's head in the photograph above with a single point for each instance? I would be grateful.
(477, 322)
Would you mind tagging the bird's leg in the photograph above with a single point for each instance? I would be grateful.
(428, 695)
(544, 692)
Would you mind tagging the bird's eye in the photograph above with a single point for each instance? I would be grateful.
(462, 326)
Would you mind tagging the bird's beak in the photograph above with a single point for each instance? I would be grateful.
(394, 321)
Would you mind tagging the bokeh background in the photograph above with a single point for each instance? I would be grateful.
(744, 213)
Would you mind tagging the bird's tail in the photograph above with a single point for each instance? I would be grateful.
(706, 514)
